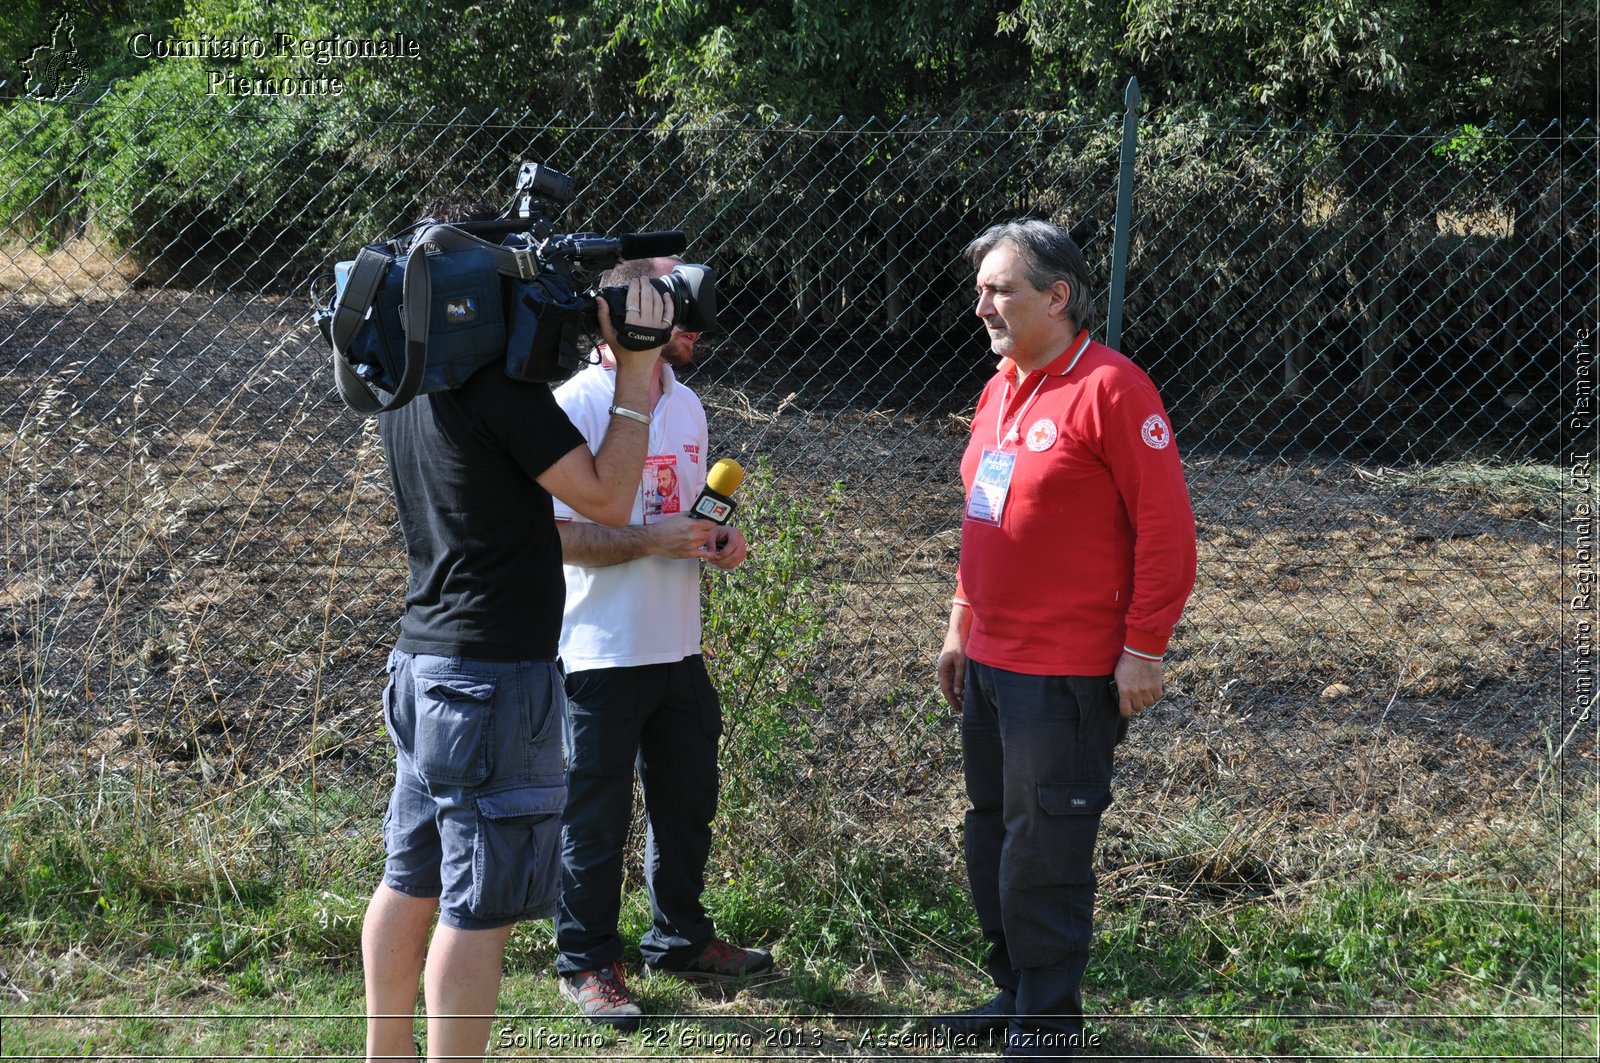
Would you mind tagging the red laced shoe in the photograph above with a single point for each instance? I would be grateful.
(722, 962)
(602, 996)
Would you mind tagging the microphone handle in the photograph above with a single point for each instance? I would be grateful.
(712, 506)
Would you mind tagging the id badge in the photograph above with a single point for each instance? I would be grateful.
(990, 486)
(661, 497)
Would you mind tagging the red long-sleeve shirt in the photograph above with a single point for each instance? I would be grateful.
(1094, 551)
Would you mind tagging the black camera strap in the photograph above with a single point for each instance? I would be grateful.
(350, 309)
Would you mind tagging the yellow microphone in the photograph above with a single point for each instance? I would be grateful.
(715, 502)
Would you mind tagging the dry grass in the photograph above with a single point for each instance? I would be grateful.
(1391, 613)
(202, 573)
(82, 269)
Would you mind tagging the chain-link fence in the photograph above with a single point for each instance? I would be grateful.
(1368, 340)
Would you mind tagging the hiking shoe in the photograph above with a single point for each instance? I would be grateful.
(602, 996)
(722, 962)
(992, 1016)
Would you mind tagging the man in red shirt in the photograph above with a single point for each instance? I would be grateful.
(1077, 556)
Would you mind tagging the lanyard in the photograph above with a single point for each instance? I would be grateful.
(1012, 436)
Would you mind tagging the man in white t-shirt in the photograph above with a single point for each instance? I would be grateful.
(638, 695)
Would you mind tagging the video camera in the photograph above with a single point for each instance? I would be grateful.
(425, 310)
(541, 194)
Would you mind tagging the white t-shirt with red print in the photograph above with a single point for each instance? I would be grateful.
(645, 611)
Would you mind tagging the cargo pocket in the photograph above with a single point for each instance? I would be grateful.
(454, 717)
(516, 869)
(1069, 820)
(554, 705)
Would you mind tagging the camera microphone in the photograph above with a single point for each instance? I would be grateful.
(596, 252)
(715, 502)
(590, 250)
(660, 243)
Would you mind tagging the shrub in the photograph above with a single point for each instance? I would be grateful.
(41, 170)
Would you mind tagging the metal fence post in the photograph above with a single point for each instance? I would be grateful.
(1122, 236)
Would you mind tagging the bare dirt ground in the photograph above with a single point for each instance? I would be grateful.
(201, 567)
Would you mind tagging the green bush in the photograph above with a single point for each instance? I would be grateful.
(202, 183)
(214, 190)
(762, 626)
(40, 170)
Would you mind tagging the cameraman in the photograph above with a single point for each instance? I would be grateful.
(638, 695)
(474, 699)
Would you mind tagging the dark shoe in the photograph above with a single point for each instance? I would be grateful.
(602, 996)
(722, 962)
(992, 1016)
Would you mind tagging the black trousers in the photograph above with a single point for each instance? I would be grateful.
(663, 720)
(1037, 754)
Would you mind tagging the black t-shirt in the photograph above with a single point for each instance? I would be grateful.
(481, 540)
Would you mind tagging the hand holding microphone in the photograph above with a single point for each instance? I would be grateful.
(703, 532)
(716, 504)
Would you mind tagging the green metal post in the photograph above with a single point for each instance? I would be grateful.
(1123, 234)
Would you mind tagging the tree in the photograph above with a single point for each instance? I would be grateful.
(98, 30)
(818, 57)
(1338, 61)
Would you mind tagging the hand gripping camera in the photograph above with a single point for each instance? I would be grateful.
(425, 310)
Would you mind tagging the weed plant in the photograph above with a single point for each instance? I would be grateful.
(116, 901)
(762, 624)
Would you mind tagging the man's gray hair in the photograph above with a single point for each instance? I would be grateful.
(1049, 254)
(629, 268)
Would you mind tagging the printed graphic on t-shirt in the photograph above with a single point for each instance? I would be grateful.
(990, 486)
(661, 487)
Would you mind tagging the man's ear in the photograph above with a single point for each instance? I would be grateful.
(1060, 296)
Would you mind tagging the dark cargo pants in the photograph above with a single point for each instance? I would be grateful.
(1037, 754)
(663, 721)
